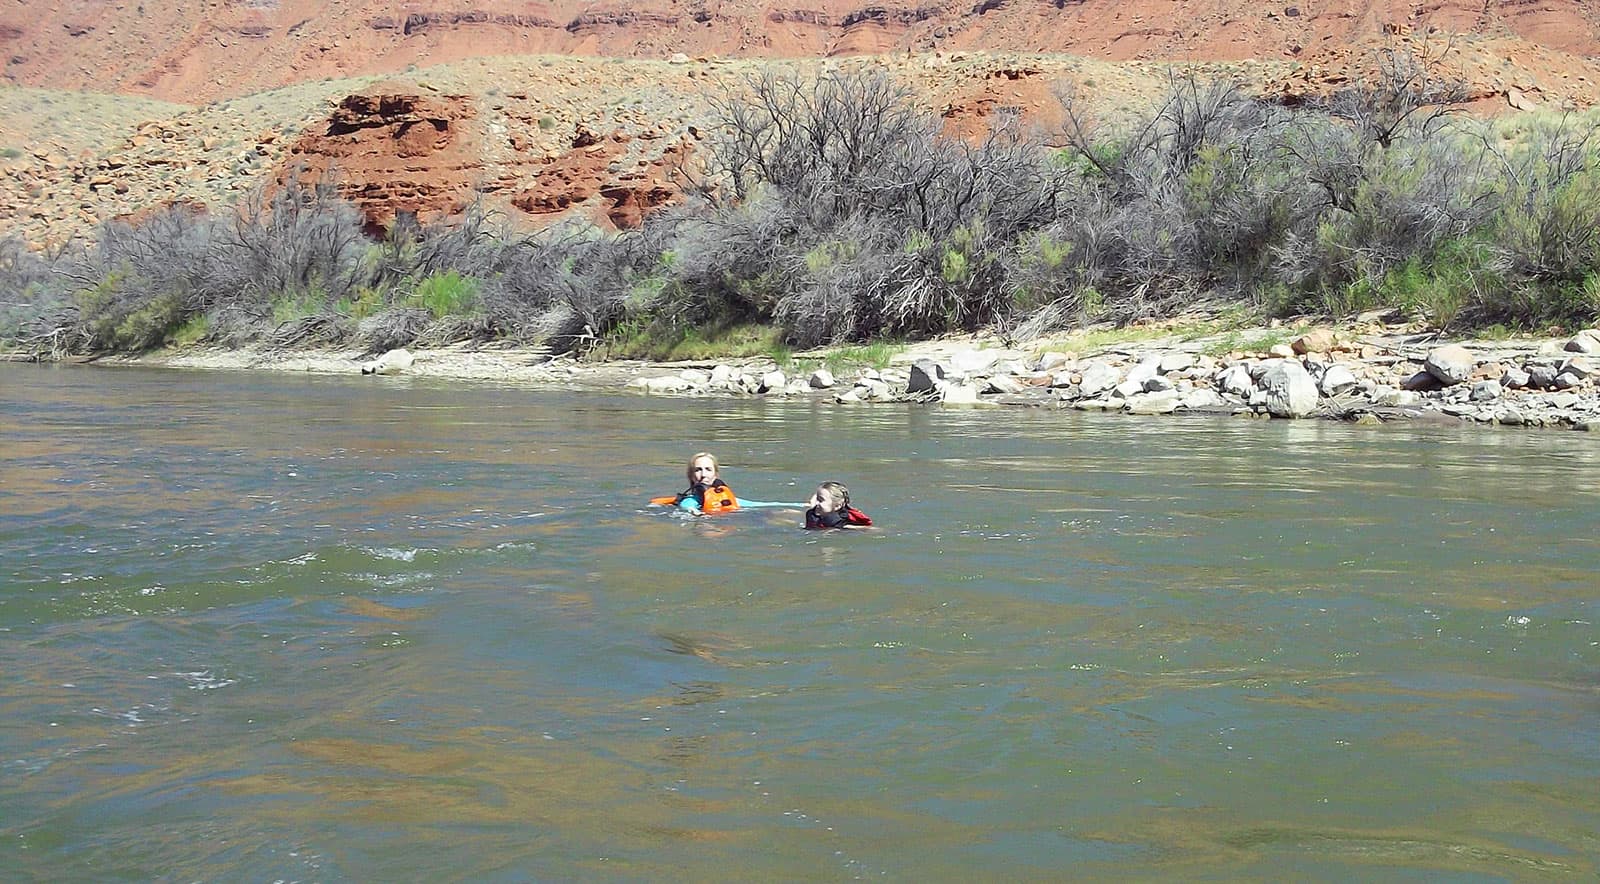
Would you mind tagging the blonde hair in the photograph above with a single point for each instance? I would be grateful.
(837, 491)
(688, 471)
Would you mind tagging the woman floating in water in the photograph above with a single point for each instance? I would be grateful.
(707, 493)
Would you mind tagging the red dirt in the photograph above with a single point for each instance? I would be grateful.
(575, 131)
(204, 51)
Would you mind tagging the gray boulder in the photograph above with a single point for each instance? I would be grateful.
(1098, 377)
(925, 377)
(1290, 390)
(1337, 379)
(1236, 381)
(1165, 402)
(1586, 341)
(1451, 364)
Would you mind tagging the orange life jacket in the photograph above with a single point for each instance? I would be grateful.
(718, 498)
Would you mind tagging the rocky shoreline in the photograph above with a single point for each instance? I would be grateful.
(1317, 373)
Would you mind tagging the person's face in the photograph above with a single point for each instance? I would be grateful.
(822, 500)
(703, 471)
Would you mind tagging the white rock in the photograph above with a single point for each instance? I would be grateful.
(1290, 390)
(1237, 381)
(1201, 398)
(958, 394)
(1451, 364)
(1586, 341)
(1337, 379)
(1003, 383)
(1128, 388)
(821, 379)
(392, 362)
(664, 384)
(773, 382)
(1051, 360)
(1393, 398)
(971, 362)
(1177, 360)
(722, 375)
(874, 388)
(1486, 391)
(1147, 368)
(694, 377)
(1165, 402)
(1098, 377)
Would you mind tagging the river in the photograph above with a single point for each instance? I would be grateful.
(271, 627)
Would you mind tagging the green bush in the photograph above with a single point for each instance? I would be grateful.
(289, 307)
(196, 329)
(446, 294)
(150, 325)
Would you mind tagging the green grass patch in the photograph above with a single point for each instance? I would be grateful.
(446, 294)
(850, 357)
(192, 331)
(1089, 340)
(1254, 341)
(289, 307)
(367, 302)
(739, 340)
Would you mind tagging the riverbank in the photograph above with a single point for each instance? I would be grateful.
(1370, 372)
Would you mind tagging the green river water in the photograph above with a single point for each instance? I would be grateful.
(263, 627)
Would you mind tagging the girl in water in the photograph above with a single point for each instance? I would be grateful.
(830, 507)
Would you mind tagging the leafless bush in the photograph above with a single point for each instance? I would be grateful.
(1193, 195)
(301, 239)
(835, 290)
(237, 325)
(478, 244)
(1405, 203)
(395, 327)
(456, 329)
(1407, 97)
(319, 329)
(808, 161)
(33, 307)
(816, 139)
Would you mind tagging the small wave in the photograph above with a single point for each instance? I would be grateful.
(394, 580)
(205, 680)
(398, 555)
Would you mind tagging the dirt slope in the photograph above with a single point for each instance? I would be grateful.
(551, 108)
(196, 52)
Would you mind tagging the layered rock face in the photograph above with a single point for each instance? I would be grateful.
(200, 52)
(394, 155)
